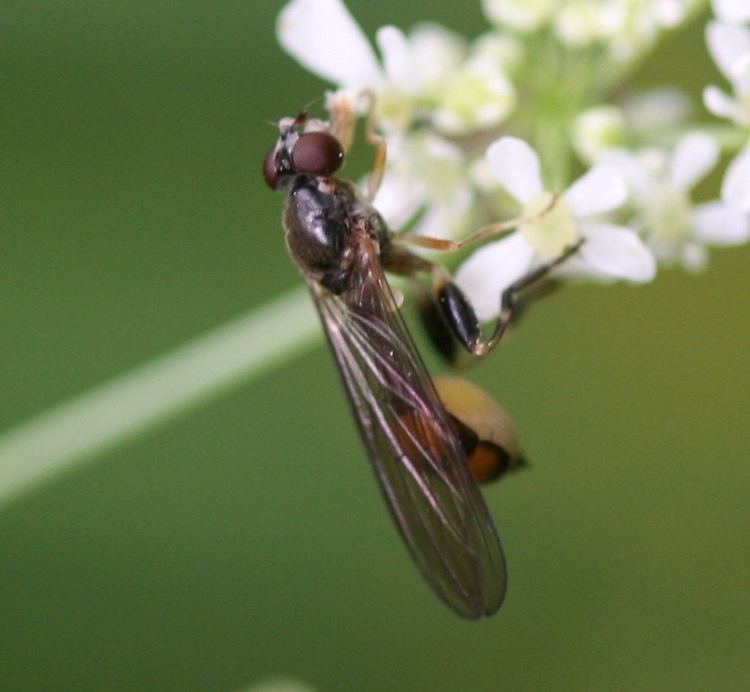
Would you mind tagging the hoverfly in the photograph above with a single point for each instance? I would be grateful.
(429, 442)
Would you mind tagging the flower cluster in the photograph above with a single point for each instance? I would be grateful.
(460, 118)
(728, 39)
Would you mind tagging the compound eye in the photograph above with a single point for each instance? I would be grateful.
(317, 153)
(270, 174)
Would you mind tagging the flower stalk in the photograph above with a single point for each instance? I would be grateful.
(153, 394)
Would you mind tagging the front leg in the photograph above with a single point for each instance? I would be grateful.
(344, 115)
(509, 302)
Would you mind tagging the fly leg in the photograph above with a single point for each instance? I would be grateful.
(344, 113)
(492, 230)
(381, 149)
(378, 164)
(447, 315)
(460, 316)
(343, 120)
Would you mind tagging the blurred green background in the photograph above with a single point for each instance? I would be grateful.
(248, 539)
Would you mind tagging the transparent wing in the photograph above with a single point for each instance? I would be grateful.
(413, 446)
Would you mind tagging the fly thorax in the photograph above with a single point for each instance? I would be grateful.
(316, 221)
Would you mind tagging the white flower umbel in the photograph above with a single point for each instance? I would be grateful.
(554, 223)
(439, 96)
(733, 11)
(676, 228)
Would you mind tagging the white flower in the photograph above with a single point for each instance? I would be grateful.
(554, 222)
(504, 49)
(598, 129)
(415, 68)
(670, 13)
(323, 37)
(602, 128)
(676, 229)
(659, 108)
(733, 11)
(429, 74)
(427, 184)
(729, 46)
(579, 23)
(524, 16)
(735, 189)
(476, 96)
(626, 27)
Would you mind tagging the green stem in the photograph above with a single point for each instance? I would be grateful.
(75, 431)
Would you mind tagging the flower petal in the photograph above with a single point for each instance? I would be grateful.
(717, 223)
(734, 11)
(632, 168)
(728, 44)
(735, 189)
(722, 104)
(692, 257)
(436, 51)
(576, 268)
(599, 190)
(323, 37)
(657, 107)
(617, 252)
(517, 168)
(426, 56)
(490, 270)
(524, 16)
(449, 220)
(598, 130)
(475, 97)
(396, 54)
(696, 154)
(398, 199)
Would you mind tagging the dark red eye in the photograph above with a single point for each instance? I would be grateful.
(270, 174)
(317, 153)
